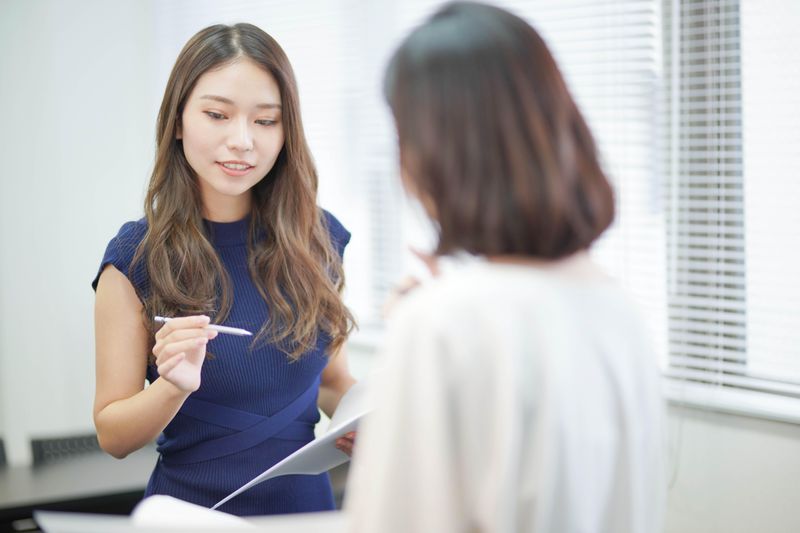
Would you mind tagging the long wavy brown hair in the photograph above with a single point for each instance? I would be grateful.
(291, 258)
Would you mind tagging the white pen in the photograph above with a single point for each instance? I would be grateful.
(215, 327)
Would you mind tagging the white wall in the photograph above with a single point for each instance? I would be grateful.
(733, 474)
(76, 144)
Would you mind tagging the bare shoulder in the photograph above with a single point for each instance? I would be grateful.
(118, 314)
(115, 289)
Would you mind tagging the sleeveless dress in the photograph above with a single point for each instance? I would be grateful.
(254, 407)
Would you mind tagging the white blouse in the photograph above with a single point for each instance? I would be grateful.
(512, 398)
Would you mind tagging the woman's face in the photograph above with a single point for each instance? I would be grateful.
(232, 134)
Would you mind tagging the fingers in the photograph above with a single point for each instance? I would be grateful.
(180, 336)
(180, 373)
(165, 369)
(172, 349)
(402, 288)
(183, 322)
(430, 261)
(180, 350)
(346, 442)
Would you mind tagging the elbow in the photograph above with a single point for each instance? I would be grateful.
(111, 447)
(116, 453)
(109, 441)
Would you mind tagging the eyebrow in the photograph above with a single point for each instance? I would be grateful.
(230, 102)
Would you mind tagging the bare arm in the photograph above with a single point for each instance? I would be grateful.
(336, 380)
(126, 415)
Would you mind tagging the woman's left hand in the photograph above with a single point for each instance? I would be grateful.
(346, 442)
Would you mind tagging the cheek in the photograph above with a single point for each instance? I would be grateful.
(279, 138)
(274, 142)
(196, 142)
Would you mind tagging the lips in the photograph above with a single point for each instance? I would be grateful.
(235, 168)
(236, 165)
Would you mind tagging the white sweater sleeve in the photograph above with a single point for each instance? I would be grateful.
(404, 475)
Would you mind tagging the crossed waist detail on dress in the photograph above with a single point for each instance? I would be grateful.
(251, 429)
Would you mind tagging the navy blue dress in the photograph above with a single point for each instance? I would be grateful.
(254, 406)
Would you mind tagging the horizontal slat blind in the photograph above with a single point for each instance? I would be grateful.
(705, 212)
(389, 218)
(770, 115)
(731, 110)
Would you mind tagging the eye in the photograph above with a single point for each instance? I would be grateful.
(214, 115)
(266, 122)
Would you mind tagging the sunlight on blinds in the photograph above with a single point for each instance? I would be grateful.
(731, 108)
(704, 165)
(771, 138)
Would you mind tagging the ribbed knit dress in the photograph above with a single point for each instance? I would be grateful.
(216, 442)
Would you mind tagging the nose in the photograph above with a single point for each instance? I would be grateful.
(241, 138)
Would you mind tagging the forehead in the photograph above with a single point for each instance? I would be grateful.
(243, 81)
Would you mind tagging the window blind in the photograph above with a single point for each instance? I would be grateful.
(771, 164)
(706, 277)
(719, 253)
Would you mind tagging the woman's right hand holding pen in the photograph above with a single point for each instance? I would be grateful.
(180, 350)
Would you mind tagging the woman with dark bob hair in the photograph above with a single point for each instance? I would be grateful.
(520, 391)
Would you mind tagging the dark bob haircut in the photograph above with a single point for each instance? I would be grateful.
(490, 139)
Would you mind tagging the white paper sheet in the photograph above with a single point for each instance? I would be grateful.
(321, 454)
(63, 522)
(154, 513)
(166, 512)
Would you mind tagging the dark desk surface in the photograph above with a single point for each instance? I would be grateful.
(83, 483)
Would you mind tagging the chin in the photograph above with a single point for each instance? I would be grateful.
(233, 187)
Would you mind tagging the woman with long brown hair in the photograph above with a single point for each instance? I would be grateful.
(520, 391)
(232, 235)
